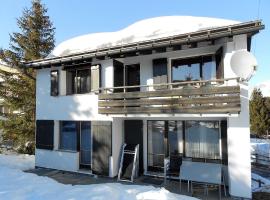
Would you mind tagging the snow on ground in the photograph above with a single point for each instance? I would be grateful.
(143, 30)
(260, 146)
(19, 185)
(15, 161)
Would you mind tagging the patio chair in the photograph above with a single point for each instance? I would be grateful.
(172, 166)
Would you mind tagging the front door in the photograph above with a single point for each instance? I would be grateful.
(134, 135)
(85, 145)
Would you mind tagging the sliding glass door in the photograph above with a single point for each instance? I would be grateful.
(193, 139)
(164, 139)
(156, 146)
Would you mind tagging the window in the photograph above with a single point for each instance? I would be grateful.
(160, 74)
(202, 139)
(164, 138)
(79, 81)
(68, 135)
(54, 83)
(44, 134)
(194, 69)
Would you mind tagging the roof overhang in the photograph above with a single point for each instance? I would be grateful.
(146, 47)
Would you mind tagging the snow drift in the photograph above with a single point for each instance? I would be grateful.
(147, 29)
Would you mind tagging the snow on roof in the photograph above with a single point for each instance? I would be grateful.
(147, 29)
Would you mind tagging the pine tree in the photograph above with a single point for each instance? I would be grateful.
(259, 115)
(34, 41)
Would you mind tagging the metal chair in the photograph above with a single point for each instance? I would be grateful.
(172, 166)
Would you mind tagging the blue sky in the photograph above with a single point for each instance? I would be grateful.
(76, 17)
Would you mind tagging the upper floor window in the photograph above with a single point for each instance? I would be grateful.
(207, 67)
(83, 79)
(80, 81)
(54, 83)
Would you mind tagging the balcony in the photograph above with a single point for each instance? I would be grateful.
(192, 97)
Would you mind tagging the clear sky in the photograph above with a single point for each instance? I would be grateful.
(76, 17)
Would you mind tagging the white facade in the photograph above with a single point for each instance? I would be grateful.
(84, 107)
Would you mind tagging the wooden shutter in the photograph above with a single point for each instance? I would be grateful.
(160, 74)
(95, 77)
(69, 82)
(44, 134)
(102, 147)
(219, 64)
(224, 147)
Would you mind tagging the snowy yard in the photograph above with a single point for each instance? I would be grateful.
(261, 147)
(16, 184)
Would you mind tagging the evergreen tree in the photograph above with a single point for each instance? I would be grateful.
(34, 41)
(259, 115)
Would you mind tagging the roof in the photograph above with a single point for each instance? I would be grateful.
(147, 34)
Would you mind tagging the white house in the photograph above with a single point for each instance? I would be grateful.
(165, 83)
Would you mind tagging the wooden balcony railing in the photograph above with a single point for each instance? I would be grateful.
(194, 97)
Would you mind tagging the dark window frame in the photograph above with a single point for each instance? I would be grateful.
(77, 124)
(200, 60)
(54, 83)
(73, 75)
(184, 140)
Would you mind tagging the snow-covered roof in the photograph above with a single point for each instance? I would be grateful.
(143, 30)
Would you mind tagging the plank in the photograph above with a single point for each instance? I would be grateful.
(170, 101)
(230, 108)
(174, 92)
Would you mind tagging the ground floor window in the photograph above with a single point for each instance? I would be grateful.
(202, 139)
(68, 135)
(194, 139)
(164, 139)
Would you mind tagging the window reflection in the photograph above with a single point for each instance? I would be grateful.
(194, 69)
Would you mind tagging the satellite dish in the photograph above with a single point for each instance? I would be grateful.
(243, 64)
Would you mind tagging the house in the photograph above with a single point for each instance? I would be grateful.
(164, 83)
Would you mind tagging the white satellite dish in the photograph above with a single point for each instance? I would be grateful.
(243, 64)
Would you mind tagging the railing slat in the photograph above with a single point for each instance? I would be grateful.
(171, 101)
(174, 92)
(173, 109)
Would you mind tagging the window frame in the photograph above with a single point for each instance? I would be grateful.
(72, 75)
(60, 148)
(221, 157)
(54, 83)
(219, 140)
(200, 57)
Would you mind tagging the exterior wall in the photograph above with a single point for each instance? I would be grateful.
(67, 161)
(239, 166)
(85, 107)
(71, 107)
